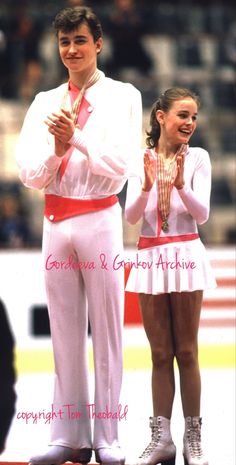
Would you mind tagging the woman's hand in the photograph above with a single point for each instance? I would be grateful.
(149, 171)
(180, 156)
(62, 127)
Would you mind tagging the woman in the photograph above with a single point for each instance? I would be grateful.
(172, 195)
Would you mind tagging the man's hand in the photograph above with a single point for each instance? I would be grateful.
(62, 127)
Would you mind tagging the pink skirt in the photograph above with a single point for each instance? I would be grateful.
(175, 267)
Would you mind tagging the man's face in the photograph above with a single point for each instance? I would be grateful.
(78, 51)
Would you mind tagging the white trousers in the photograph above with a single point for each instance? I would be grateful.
(75, 295)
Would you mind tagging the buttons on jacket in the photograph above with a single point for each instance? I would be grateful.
(51, 217)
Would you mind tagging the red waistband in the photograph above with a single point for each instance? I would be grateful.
(60, 208)
(145, 242)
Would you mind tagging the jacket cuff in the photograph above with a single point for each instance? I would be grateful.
(78, 141)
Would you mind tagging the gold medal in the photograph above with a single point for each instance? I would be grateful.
(165, 226)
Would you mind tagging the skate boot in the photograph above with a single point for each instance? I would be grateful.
(57, 455)
(109, 456)
(192, 451)
(161, 449)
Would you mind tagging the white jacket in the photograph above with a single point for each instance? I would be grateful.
(101, 152)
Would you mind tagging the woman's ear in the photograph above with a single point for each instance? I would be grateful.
(160, 116)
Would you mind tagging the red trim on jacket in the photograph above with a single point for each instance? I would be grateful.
(84, 113)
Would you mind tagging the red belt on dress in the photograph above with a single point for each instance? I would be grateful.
(60, 208)
(145, 242)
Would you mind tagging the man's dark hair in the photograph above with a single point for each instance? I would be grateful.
(69, 19)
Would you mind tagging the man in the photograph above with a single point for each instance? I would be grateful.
(77, 143)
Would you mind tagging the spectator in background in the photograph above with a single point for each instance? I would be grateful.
(230, 45)
(2, 55)
(8, 377)
(73, 3)
(22, 68)
(14, 231)
(126, 27)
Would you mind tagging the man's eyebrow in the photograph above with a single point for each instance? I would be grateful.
(79, 36)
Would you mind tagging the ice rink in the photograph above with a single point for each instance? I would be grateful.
(217, 359)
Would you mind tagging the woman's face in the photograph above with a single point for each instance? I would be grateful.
(179, 123)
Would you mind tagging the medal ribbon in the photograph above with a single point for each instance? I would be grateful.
(77, 103)
(166, 173)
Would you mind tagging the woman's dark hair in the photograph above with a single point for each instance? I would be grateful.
(164, 103)
(69, 19)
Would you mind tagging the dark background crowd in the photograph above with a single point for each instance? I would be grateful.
(153, 44)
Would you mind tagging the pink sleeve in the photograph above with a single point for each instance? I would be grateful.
(197, 198)
(136, 200)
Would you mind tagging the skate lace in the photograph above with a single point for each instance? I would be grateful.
(194, 439)
(156, 434)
